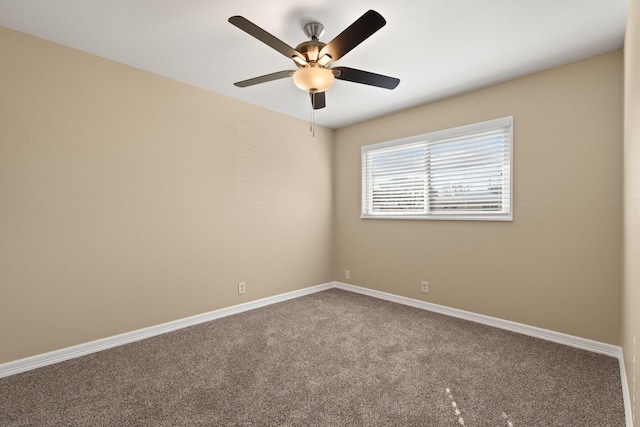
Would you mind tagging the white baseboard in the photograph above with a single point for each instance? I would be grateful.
(557, 337)
(26, 364)
(626, 396)
(56, 356)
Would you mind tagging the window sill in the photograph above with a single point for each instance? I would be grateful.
(504, 217)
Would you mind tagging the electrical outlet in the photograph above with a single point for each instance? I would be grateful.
(242, 288)
(424, 287)
(347, 274)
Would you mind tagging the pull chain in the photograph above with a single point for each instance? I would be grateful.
(312, 117)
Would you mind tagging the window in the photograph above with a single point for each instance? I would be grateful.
(460, 173)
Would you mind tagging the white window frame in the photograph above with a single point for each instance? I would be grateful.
(429, 140)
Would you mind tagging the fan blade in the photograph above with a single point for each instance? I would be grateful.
(366, 77)
(264, 79)
(355, 34)
(253, 30)
(318, 100)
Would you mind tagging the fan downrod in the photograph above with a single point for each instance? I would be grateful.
(314, 30)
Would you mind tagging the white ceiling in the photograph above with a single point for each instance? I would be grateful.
(437, 48)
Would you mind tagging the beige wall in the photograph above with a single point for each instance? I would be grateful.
(631, 281)
(558, 264)
(129, 200)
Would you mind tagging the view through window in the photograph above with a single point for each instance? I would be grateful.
(460, 173)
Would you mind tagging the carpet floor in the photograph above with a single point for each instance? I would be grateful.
(333, 358)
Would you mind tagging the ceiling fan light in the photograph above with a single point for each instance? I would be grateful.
(324, 59)
(312, 53)
(299, 60)
(313, 79)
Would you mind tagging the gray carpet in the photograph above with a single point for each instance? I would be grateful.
(329, 359)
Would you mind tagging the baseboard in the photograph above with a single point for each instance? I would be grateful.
(545, 334)
(26, 364)
(626, 396)
(56, 356)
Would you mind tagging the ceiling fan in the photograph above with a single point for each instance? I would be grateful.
(313, 58)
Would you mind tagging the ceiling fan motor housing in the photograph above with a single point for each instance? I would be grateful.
(310, 50)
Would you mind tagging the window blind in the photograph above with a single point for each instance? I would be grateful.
(460, 173)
